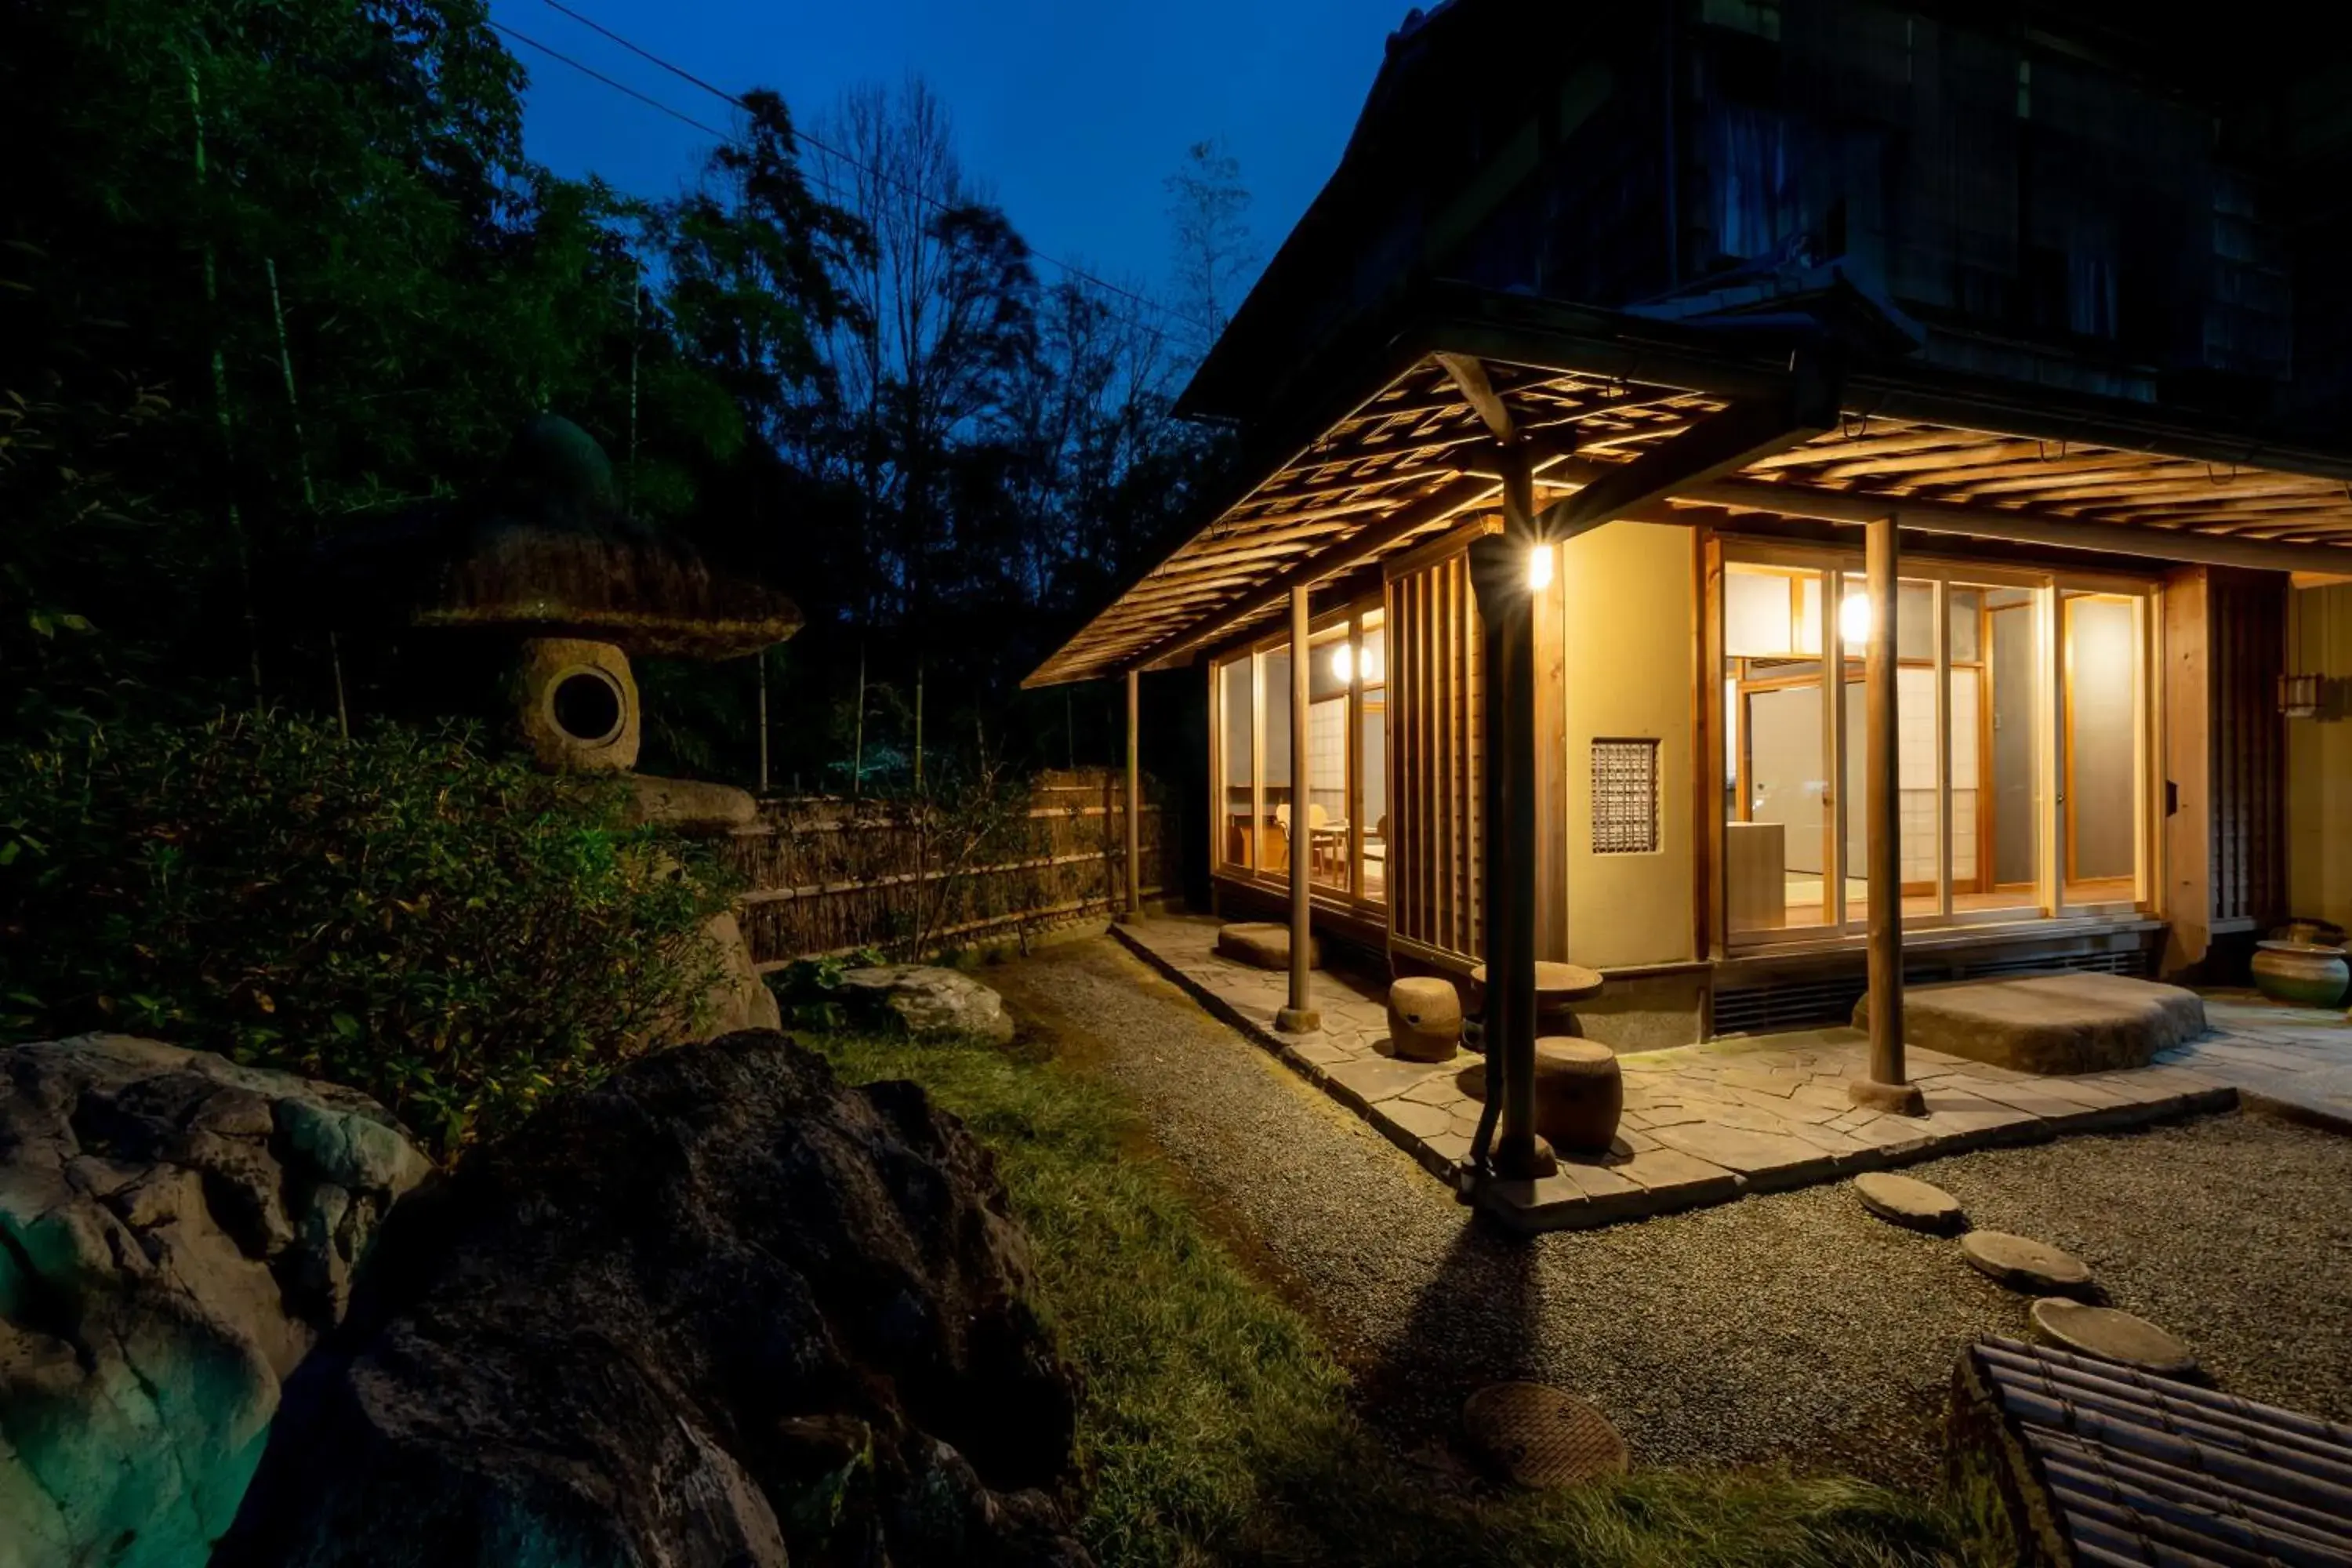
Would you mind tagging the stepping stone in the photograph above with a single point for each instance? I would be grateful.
(1263, 944)
(1907, 1201)
(2068, 1023)
(1539, 1437)
(2024, 1264)
(2112, 1335)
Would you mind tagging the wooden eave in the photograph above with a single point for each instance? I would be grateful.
(1418, 451)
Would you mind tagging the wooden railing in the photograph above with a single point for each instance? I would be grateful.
(827, 875)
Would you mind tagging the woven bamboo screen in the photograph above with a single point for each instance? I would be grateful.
(831, 875)
(1433, 771)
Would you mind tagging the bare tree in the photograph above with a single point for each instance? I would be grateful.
(1208, 216)
(939, 317)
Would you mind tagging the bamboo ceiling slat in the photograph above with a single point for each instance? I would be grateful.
(1420, 433)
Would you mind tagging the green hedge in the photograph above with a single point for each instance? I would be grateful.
(452, 933)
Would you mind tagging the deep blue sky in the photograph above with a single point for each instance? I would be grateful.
(1071, 111)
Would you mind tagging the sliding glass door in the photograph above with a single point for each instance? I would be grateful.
(1329, 806)
(2022, 742)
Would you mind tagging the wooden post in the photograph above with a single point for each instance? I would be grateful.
(1498, 570)
(763, 720)
(1886, 1087)
(1134, 910)
(1300, 1016)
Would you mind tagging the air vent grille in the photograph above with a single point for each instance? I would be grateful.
(1815, 1004)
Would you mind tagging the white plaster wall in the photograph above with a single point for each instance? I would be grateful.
(1628, 627)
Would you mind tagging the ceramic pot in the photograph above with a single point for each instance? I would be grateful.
(2301, 973)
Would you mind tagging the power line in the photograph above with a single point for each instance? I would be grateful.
(521, 37)
(935, 203)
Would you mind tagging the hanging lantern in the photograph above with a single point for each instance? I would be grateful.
(2298, 694)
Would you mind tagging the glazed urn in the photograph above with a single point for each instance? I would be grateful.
(2303, 973)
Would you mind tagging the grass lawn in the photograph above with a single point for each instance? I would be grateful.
(1216, 1429)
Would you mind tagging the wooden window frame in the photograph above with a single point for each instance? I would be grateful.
(1348, 896)
(1835, 565)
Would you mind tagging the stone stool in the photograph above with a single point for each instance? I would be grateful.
(1558, 987)
(1579, 1095)
(1265, 945)
(1424, 1019)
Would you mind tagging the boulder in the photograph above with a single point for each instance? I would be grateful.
(928, 1000)
(176, 1232)
(690, 805)
(722, 1310)
(739, 999)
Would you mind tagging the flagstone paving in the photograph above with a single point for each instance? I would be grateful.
(1703, 1124)
(2299, 1059)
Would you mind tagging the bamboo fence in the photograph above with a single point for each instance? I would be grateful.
(827, 875)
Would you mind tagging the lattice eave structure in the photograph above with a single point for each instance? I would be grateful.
(1420, 443)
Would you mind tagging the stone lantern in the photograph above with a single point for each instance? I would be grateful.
(544, 573)
(528, 597)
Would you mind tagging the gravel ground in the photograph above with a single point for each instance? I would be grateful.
(1791, 1326)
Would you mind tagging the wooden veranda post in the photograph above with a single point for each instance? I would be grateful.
(1498, 574)
(1134, 910)
(1886, 1087)
(1300, 1016)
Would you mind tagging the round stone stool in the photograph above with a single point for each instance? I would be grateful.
(1579, 1095)
(1424, 1019)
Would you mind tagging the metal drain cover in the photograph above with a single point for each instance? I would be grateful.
(1541, 1437)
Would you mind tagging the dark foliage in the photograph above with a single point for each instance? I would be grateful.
(458, 936)
(280, 269)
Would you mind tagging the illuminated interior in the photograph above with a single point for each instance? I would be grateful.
(1334, 809)
(2003, 749)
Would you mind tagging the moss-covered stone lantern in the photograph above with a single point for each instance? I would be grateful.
(544, 572)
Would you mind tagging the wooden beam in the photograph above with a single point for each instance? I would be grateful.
(1366, 542)
(1469, 374)
(1942, 517)
(1718, 443)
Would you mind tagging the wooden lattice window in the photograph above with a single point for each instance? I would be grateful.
(1624, 796)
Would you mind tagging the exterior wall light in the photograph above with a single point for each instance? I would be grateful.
(1854, 619)
(1539, 567)
(1343, 663)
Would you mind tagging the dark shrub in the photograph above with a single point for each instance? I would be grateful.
(456, 935)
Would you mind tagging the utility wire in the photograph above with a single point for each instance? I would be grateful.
(719, 92)
(521, 37)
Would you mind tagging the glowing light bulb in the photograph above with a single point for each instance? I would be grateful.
(1539, 568)
(1343, 664)
(1854, 619)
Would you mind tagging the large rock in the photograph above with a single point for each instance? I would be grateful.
(690, 805)
(931, 1001)
(739, 999)
(2063, 1022)
(718, 1311)
(176, 1232)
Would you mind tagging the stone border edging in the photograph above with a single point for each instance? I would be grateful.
(1664, 1180)
(1428, 1159)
